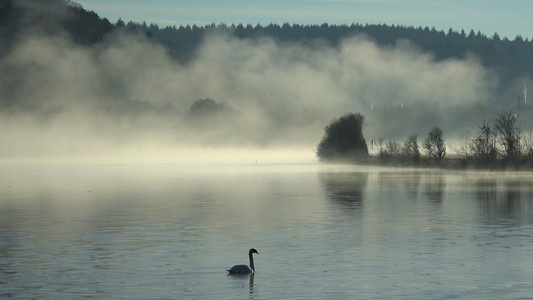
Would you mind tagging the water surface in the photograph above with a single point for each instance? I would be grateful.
(337, 232)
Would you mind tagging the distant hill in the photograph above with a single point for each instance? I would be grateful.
(510, 58)
(50, 17)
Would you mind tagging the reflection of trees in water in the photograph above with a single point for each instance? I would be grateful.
(345, 188)
(434, 187)
(431, 184)
(409, 181)
(504, 199)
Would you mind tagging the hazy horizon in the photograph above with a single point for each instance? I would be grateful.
(129, 95)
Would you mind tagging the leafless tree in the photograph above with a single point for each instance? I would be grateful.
(483, 146)
(393, 149)
(410, 149)
(463, 147)
(434, 144)
(508, 134)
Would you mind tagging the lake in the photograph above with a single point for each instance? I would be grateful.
(170, 231)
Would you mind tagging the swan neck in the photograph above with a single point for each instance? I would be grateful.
(251, 261)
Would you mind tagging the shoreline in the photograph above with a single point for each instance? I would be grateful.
(451, 163)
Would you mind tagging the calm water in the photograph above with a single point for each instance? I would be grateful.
(171, 231)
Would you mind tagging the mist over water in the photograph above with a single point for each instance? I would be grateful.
(128, 95)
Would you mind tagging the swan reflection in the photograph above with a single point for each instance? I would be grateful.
(251, 283)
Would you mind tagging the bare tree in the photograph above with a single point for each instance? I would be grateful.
(410, 149)
(434, 144)
(393, 149)
(508, 134)
(381, 150)
(527, 151)
(463, 147)
(484, 145)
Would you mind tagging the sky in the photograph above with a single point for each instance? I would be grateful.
(506, 17)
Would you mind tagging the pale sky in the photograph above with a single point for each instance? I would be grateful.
(507, 17)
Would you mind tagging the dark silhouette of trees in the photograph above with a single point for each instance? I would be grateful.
(494, 51)
(510, 57)
(508, 134)
(344, 140)
(410, 149)
(51, 17)
(500, 143)
(208, 107)
(434, 144)
(86, 27)
(393, 149)
(483, 146)
(397, 153)
(120, 23)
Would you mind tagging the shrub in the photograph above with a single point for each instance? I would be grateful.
(344, 140)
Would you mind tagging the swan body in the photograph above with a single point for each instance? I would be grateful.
(244, 269)
(240, 269)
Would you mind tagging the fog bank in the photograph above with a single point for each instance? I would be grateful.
(128, 94)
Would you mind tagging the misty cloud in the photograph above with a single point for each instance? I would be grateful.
(59, 98)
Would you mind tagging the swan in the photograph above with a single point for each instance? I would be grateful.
(244, 269)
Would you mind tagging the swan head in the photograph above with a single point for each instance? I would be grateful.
(253, 251)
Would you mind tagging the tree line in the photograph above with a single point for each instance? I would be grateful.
(510, 57)
(500, 143)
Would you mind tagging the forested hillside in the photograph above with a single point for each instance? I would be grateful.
(510, 58)
(51, 17)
